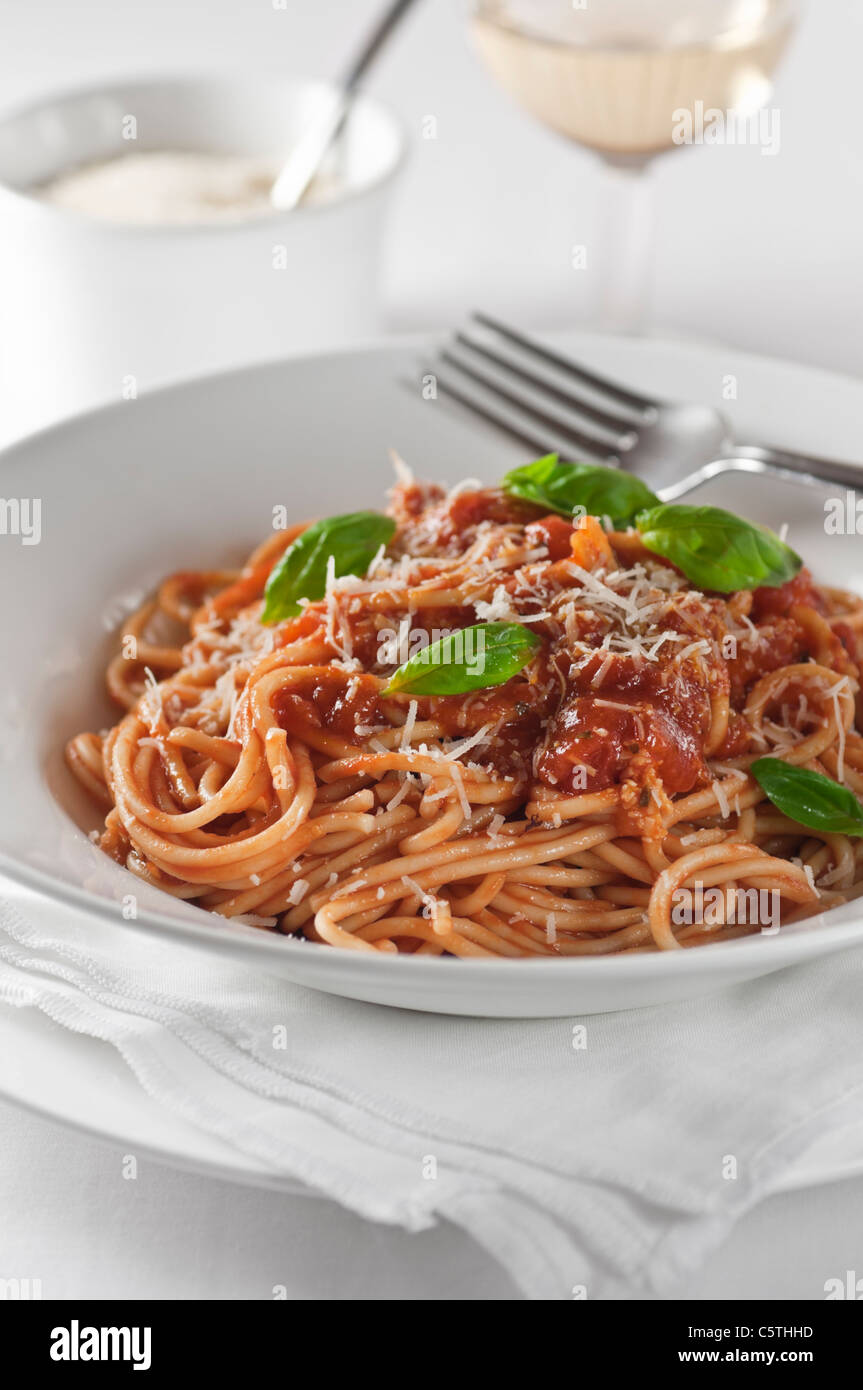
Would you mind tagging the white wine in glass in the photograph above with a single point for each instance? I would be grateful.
(613, 75)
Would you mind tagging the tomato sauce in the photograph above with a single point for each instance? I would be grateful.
(333, 701)
(594, 745)
(517, 713)
(576, 722)
(554, 532)
(772, 603)
(780, 643)
(448, 526)
(639, 715)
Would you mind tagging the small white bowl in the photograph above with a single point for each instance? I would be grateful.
(96, 310)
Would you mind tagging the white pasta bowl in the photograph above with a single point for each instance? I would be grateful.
(187, 478)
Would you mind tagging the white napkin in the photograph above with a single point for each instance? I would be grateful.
(605, 1170)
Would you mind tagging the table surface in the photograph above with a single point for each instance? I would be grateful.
(762, 252)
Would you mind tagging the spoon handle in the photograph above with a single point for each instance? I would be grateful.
(375, 42)
(305, 160)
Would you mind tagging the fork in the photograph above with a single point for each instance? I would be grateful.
(554, 405)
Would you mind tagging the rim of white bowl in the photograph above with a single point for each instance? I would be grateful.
(218, 933)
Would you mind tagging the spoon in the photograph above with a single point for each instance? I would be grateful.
(307, 156)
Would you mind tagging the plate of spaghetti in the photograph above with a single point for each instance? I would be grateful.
(530, 742)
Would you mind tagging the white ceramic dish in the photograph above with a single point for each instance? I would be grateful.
(87, 1085)
(78, 1081)
(123, 306)
(187, 477)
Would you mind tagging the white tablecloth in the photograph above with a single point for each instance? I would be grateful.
(70, 1220)
(762, 252)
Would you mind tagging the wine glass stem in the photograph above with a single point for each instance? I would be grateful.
(626, 245)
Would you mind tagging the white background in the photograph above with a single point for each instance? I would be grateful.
(761, 252)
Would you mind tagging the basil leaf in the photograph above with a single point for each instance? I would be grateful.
(475, 658)
(563, 487)
(809, 798)
(353, 541)
(717, 550)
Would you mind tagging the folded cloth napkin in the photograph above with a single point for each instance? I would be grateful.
(596, 1157)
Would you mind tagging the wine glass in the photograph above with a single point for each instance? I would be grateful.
(633, 79)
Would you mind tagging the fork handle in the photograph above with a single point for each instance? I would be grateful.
(807, 465)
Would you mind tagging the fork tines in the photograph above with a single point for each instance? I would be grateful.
(536, 396)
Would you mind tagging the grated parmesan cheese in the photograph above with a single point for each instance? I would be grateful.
(496, 824)
(721, 798)
(402, 472)
(455, 772)
(151, 702)
(455, 750)
(408, 727)
(810, 877)
(833, 692)
(406, 786)
(429, 901)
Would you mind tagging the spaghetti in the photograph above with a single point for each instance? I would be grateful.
(261, 771)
